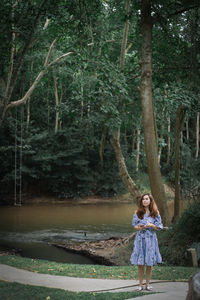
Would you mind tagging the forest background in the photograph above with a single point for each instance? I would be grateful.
(72, 113)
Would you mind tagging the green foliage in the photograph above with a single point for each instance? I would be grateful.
(93, 93)
(190, 173)
(66, 165)
(175, 241)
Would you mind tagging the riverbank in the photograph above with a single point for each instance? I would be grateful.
(126, 198)
(48, 199)
(114, 251)
(30, 198)
(5, 251)
(110, 252)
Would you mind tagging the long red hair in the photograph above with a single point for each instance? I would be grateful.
(152, 207)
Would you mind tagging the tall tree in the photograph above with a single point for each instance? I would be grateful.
(179, 126)
(197, 136)
(151, 147)
(115, 140)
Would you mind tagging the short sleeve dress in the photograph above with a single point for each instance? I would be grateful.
(146, 250)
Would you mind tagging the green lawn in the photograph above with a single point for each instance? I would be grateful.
(16, 291)
(172, 273)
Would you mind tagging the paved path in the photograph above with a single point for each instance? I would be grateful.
(168, 290)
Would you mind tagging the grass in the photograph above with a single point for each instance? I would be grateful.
(172, 273)
(16, 291)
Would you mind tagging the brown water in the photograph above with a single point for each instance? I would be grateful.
(31, 227)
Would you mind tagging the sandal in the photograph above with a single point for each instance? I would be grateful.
(139, 289)
(149, 288)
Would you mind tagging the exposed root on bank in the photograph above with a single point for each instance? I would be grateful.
(101, 251)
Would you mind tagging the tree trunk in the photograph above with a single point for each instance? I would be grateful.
(197, 136)
(57, 103)
(187, 129)
(125, 36)
(160, 146)
(159, 153)
(168, 139)
(133, 140)
(48, 106)
(4, 100)
(82, 103)
(145, 89)
(13, 51)
(179, 126)
(101, 147)
(138, 149)
(115, 140)
(28, 112)
(123, 172)
(61, 99)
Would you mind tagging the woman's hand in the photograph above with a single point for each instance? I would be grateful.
(150, 225)
(139, 227)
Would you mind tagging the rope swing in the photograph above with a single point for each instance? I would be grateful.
(18, 152)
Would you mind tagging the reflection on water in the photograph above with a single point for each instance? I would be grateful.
(60, 216)
(31, 227)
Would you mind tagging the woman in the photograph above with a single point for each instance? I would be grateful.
(146, 252)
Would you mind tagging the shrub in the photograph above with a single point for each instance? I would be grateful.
(180, 236)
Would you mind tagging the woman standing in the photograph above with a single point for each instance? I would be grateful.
(146, 252)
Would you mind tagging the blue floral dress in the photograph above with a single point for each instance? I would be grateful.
(146, 250)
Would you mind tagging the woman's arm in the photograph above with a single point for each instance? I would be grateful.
(157, 223)
(137, 223)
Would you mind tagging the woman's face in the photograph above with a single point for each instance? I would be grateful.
(146, 201)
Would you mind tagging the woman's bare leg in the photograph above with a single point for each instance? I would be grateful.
(148, 274)
(141, 274)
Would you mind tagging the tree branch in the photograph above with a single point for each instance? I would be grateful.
(49, 53)
(169, 15)
(58, 59)
(23, 53)
(38, 78)
(182, 10)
